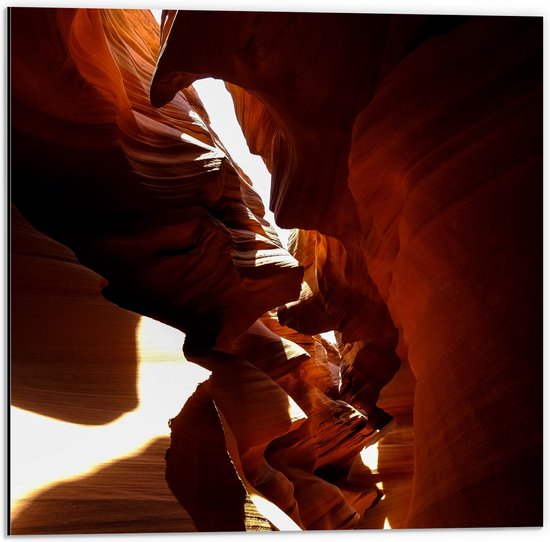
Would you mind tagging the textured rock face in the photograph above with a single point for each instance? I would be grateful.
(254, 56)
(152, 201)
(288, 435)
(145, 199)
(407, 150)
(444, 174)
(459, 263)
(57, 316)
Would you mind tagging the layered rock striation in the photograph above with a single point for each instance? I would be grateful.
(150, 201)
(143, 197)
(426, 133)
(406, 151)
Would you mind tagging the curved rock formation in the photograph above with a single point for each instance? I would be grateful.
(436, 162)
(58, 366)
(177, 233)
(153, 197)
(407, 151)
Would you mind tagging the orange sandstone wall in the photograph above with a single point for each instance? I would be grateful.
(139, 194)
(407, 150)
(149, 200)
(428, 171)
(445, 172)
(452, 207)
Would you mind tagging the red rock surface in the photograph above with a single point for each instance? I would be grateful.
(444, 173)
(57, 316)
(407, 150)
(152, 195)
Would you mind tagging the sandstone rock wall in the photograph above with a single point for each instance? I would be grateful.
(445, 173)
(407, 151)
(150, 201)
(141, 196)
(434, 158)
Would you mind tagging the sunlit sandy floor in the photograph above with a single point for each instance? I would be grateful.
(46, 452)
(62, 471)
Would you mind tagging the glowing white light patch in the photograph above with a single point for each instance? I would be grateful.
(294, 411)
(329, 337)
(190, 139)
(219, 105)
(46, 451)
(165, 379)
(276, 516)
(157, 14)
(369, 457)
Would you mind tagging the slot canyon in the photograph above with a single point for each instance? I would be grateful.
(405, 154)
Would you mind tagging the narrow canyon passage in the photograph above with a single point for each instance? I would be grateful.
(398, 151)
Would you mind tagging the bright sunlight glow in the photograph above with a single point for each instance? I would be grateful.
(219, 105)
(369, 456)
(329, 337)
(50, 451)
